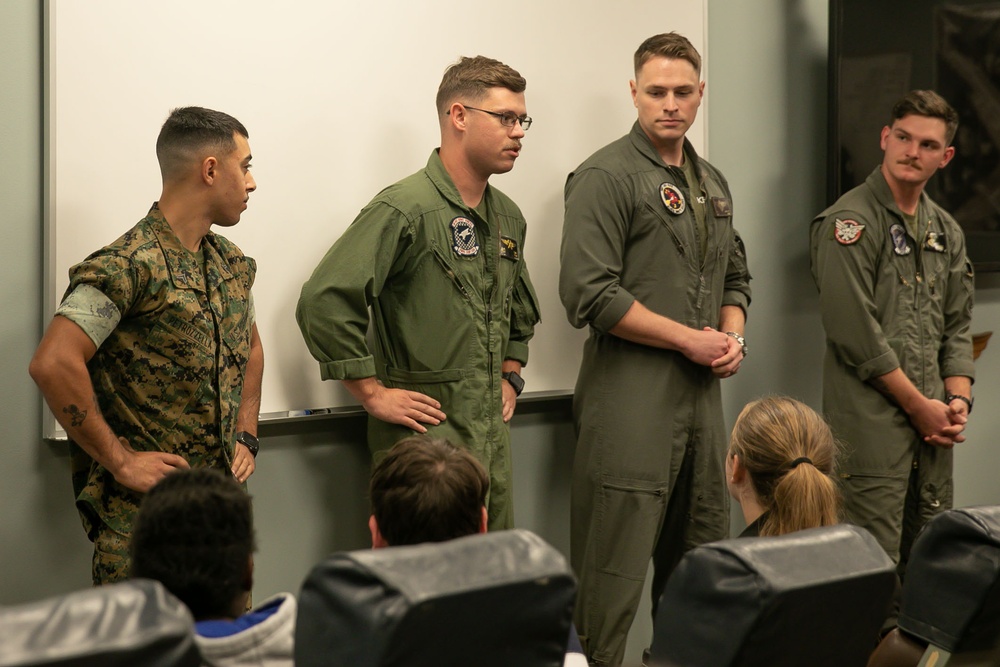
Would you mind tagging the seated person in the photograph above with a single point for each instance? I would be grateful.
(428, 490)
(780, 466)
(194, 534)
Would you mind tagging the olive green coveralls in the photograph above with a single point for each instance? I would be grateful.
(450, 299)
(643, 413)
(890, 300)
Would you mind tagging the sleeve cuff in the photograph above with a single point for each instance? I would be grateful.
(349, 369)
(614, 311)
(880, 365)
(953, 367)
(517, 351)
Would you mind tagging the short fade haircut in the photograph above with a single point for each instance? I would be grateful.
(190, 131)
(194, 534)
(427, 490)
(472, 78)
(667, 45)
(930, 104)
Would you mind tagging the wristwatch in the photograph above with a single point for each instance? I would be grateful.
(516, 381)
(249, 441)
(739, 339)
(965, 399)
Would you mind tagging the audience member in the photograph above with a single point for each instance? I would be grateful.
(780, 467)
(428, 490)
(194, 533)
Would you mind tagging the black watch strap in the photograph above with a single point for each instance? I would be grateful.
(248, 440)
(516, 381)
(968, 401)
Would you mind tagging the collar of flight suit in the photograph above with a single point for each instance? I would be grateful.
(883, 195)
(645, 146)
(442, 181)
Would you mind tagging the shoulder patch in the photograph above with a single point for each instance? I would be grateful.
(847, 232)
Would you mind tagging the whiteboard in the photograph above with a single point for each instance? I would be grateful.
(338, 98)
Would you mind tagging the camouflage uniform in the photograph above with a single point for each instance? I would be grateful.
(173, 335)
(451, 299)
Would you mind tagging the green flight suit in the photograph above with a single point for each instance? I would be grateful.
(450, 298)
(642, 413)
(890, 300)
(169, 377)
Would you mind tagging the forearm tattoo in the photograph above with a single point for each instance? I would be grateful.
(76, 415)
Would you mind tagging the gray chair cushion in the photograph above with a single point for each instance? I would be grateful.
(132, 623)
(499, 599)
(951, 596)
(814, 597)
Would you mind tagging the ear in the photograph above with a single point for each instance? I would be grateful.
(701, 90)
(248, 575)
(949, 153)
(457, 116)
(885, 137)
(632, 89)
(484, 520)
(378, 542)
(739, 470)
(209, 170)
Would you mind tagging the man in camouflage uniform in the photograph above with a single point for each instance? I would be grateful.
(439, 258)
(153, 362)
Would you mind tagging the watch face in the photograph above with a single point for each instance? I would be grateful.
(250, 441)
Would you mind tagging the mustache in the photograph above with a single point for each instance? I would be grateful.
(909, 163)
(513, 146)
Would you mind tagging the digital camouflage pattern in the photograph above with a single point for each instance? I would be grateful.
(451, 300)
(169, 377)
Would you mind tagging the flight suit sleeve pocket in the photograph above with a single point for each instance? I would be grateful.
(424, 377)
(629, 513)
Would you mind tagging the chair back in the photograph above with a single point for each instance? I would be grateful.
(813, 597)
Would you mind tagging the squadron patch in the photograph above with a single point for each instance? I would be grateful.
(672, 198)
(509, 249)
(463, 234)
(936, 241)
(899, 243)
(848, 232)
(722, 206)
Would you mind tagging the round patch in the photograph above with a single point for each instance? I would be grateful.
(672, 198)
(463, 234)
(848, 232)
(899, 243)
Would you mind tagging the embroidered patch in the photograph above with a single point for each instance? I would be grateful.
(463, 234)
(848, 232)
(722, 206)
(672, 198)
(899, 243)
(936, 241)
(508, 248)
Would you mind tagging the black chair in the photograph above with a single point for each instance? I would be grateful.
(815, 597)
(120, 625)
(496, 600)
(950, 607)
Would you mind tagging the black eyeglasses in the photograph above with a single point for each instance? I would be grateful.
(507, 118)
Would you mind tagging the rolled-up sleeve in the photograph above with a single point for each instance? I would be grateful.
(595, 229)
(332, 311)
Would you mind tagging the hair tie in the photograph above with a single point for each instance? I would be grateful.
(802, 459)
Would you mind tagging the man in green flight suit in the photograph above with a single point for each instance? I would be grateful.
(652, 264)
(895, 289)
(152, 361)
(439, 259)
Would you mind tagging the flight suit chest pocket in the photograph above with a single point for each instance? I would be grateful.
(452, 272)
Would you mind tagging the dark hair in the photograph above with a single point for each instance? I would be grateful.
(667, 45)
(427, 490)
(189, 132)
(194, 534)
(930, 104)
(771, 436)
(472, 78)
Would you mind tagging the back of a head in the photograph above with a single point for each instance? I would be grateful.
(790, 455)
(427, 490)
(194, 534)
(470, 79)
(191, 132)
